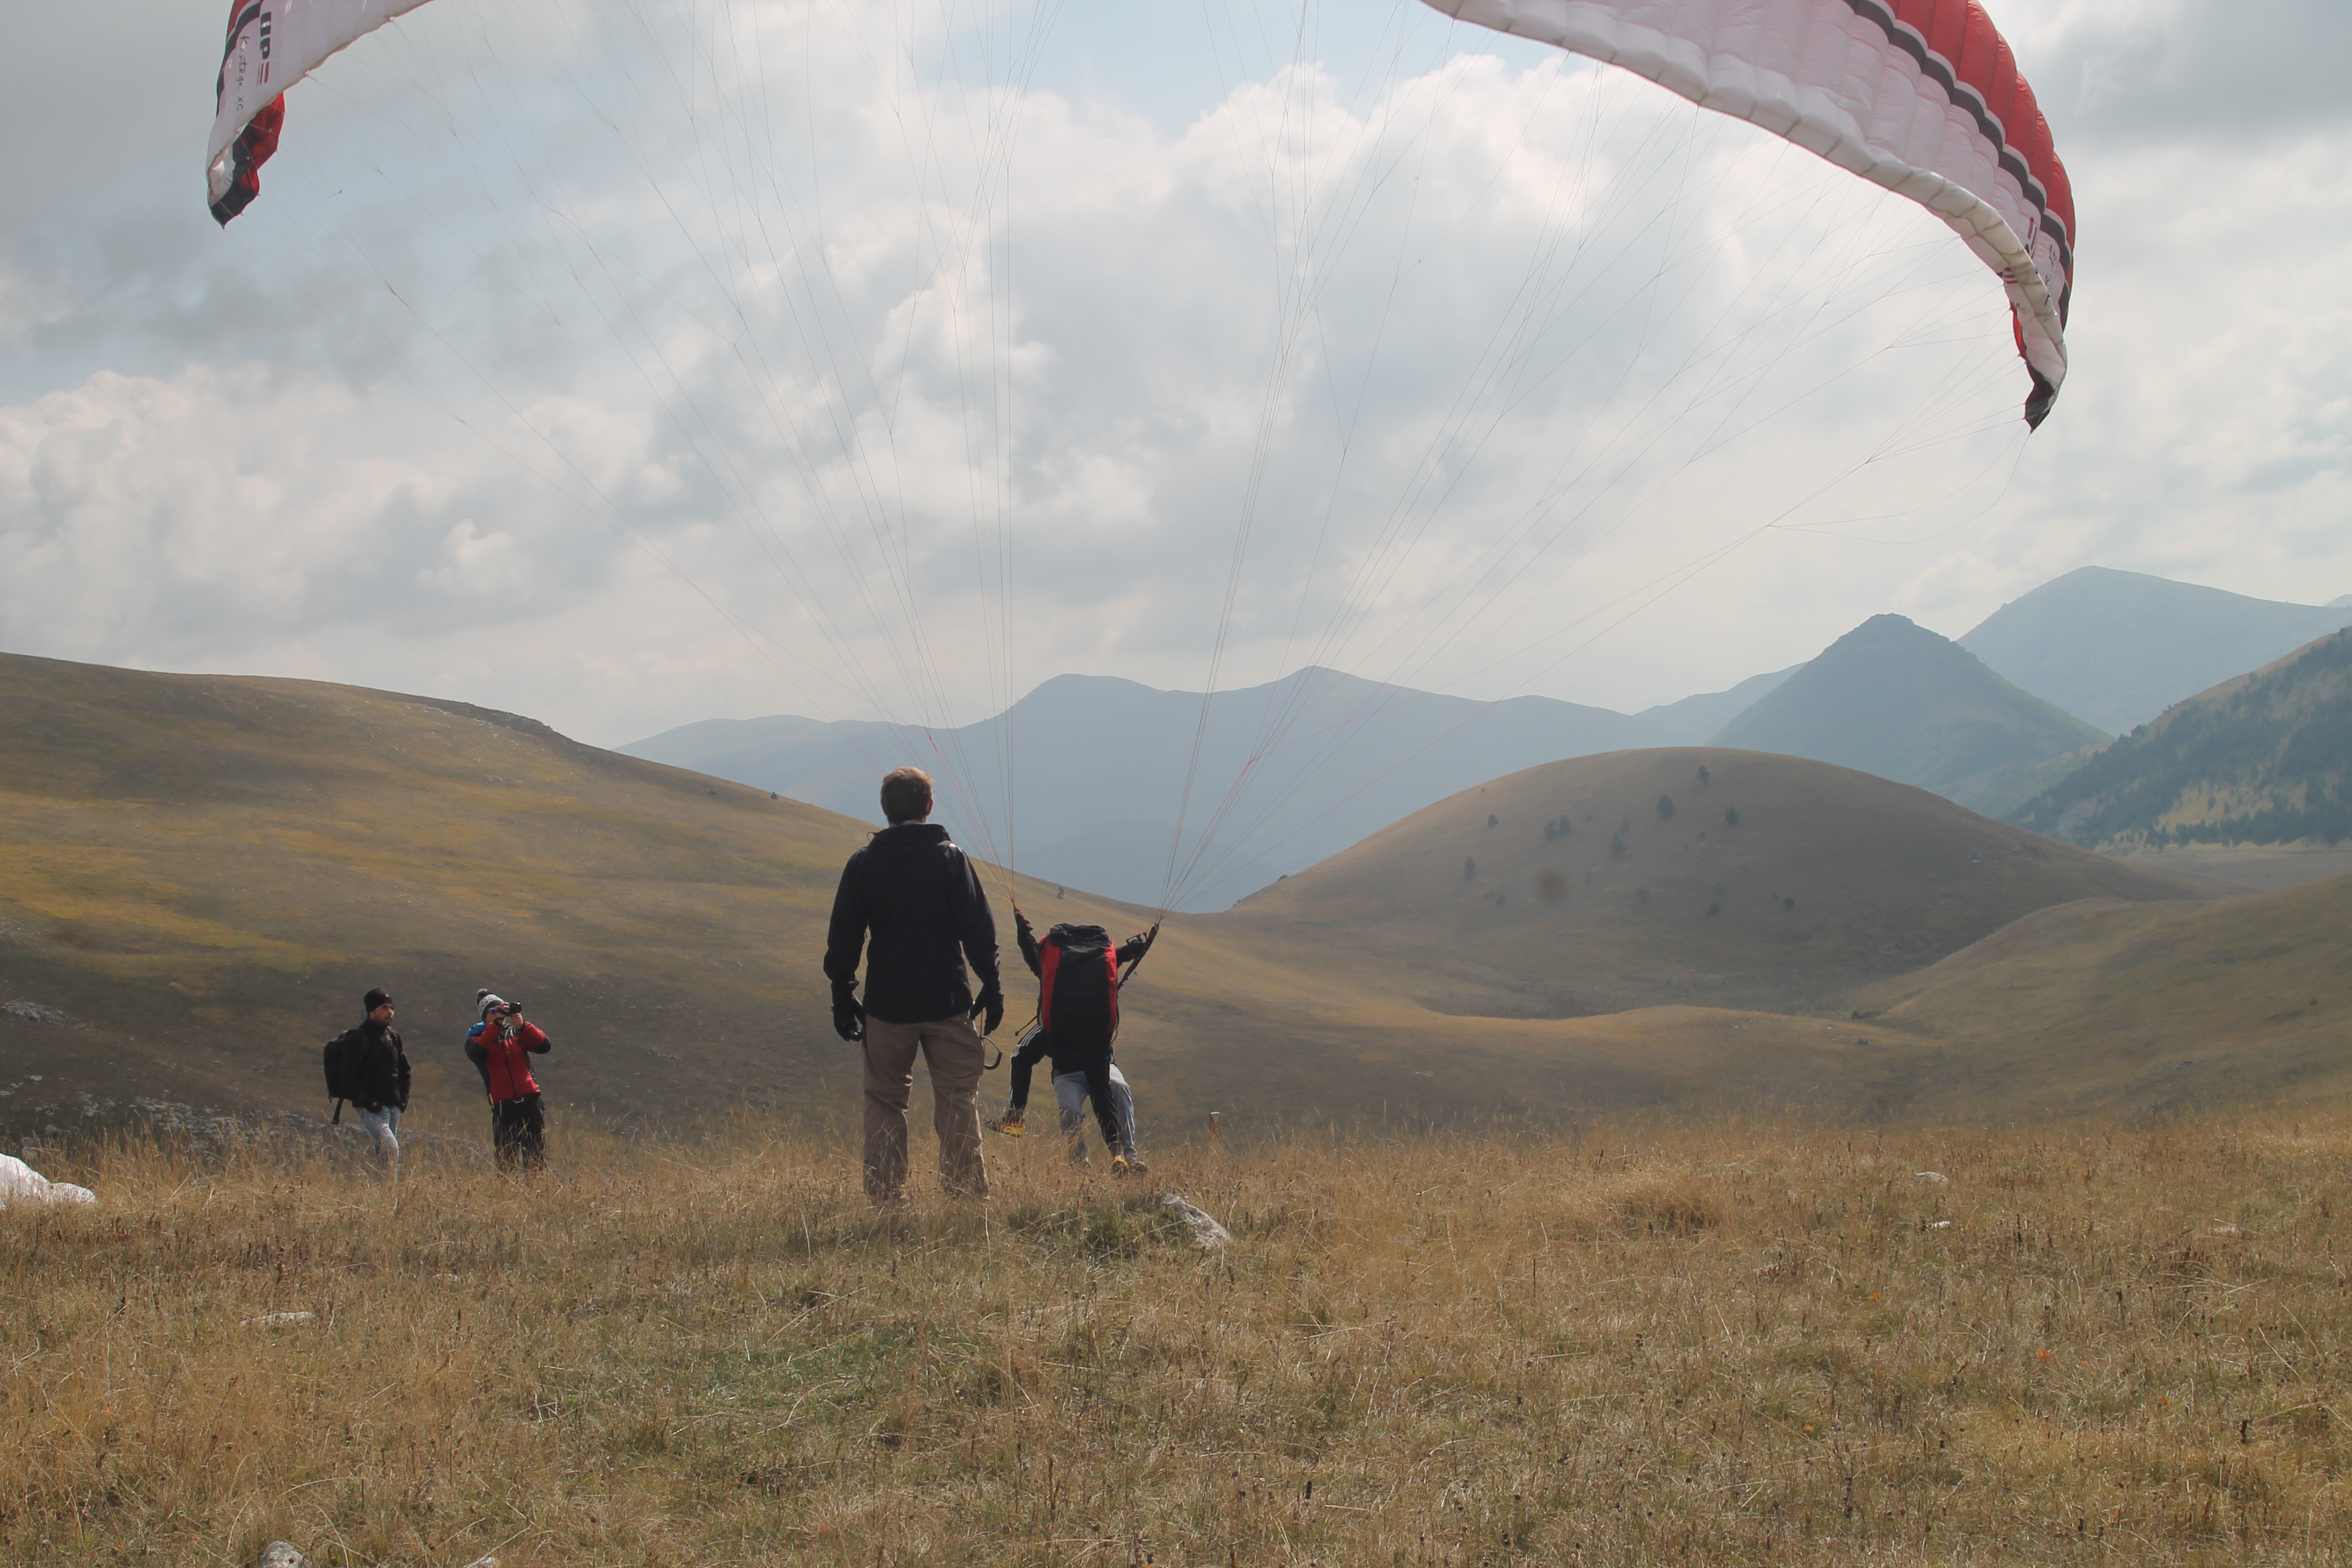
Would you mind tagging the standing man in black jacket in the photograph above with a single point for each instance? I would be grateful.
(380, 1090)
(919, 896)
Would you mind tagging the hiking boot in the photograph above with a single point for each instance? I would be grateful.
(1126, 1165)
(1009, 1125)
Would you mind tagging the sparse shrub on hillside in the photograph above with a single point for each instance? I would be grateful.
(1731, 816)
(1665, 805)
(1492, 820)
(1553, 886)
(2282, 743)
(1714, 908)
(1789, 905)
(1469, 868)
(1642, 895)
(1616, 846)
(1704, 776)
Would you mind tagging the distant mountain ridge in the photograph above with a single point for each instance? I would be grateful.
(1098, 766)
(2119, 647)
(2263, 759)
(1097, 763)
(1894, 699)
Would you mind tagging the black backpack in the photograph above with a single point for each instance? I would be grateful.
(1078, 999)
(343, 1060)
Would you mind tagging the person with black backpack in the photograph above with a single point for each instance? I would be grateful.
(368, 1066)
(1079, 975)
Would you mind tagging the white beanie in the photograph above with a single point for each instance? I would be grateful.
(486, 999)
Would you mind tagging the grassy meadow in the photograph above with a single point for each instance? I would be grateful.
(1643, 1341)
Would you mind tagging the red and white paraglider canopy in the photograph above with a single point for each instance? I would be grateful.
(1921, 96)
(272, 45)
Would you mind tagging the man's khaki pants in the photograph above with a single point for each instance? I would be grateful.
(956, 1055)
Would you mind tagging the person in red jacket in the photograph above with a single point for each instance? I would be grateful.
(501, 1047)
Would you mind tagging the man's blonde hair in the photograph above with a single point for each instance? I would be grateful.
(906, 795)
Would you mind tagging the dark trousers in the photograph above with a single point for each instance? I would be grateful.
(1095, 1065)
(519, 1132)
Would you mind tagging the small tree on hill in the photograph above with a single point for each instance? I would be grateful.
(1665, 805)
(1731, 816)
(1469, 868)
(1704, 776)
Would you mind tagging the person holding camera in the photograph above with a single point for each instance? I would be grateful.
(500, 1047)
(916, 892)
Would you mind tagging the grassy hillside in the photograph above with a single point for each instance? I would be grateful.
(2265, 758)
(1715, 1343)
(1773, 882)
(2119, 647)
(199, 876)
(1894, 699)
(2145, 1006)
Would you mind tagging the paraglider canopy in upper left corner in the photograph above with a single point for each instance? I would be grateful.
(272, 45)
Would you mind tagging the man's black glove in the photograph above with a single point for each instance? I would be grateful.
(991, 1002)
(848, 1017)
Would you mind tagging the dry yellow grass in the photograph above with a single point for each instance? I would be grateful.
(1642, 1343)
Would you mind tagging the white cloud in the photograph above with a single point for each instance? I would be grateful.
(879, 354)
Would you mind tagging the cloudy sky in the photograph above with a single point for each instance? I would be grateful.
(627, 365)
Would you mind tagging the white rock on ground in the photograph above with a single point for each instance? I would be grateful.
(20, 1184)
(1207, 1234)
(1937, 1177)
(281, 1554)
(276, 1319)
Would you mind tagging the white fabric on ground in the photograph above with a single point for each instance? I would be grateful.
(20, 1184)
